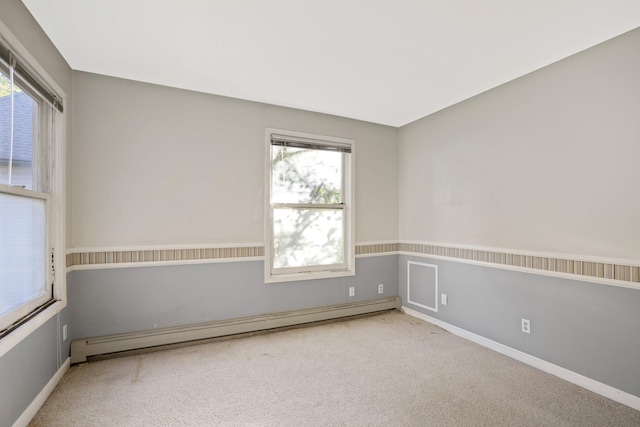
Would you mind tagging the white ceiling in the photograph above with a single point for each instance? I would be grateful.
(388, 62)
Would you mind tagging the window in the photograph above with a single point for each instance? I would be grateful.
(309, 206)
(29, 126)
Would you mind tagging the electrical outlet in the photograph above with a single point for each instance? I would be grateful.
(352, 291)
(526, 326)
(64, 332)
(443, 299)
(380, 288)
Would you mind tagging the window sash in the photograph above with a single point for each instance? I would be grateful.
(314, 169)
(43, 136)
(42, 292)
(307, 267)
(311, 267)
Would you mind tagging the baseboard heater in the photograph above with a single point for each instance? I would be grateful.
(83, 348)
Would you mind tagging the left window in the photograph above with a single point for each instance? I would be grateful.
(29, 127)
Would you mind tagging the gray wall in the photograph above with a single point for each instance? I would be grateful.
(547, 163)
(158, 166)
(119, 300)
(27, 367)
(161, 166)
(465, 175)
(588, 328)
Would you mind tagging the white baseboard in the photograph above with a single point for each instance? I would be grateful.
(560, 372)
(37, 403)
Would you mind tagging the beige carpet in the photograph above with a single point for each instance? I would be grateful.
(384, 370)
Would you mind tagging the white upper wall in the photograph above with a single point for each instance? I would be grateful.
(548, 162)
(154, 165)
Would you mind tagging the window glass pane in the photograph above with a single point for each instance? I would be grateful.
(301, 175)
(308, 237)
(22, 250)
(25, 127)
(5, 128)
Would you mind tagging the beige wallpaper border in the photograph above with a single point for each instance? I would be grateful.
(161, 255)
(593, 269)
(111, 257)
(377, 248)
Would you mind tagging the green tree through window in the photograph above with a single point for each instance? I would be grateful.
(308, 207)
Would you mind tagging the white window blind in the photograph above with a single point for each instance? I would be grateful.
(23, 265)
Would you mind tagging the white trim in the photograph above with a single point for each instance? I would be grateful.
(377, 254)
(590, 384)
(542, 254)
(37, 403)
(267, 217)
(529, 270)
(197, 261)
(435, 267)
(161, 247)
(160, 263)
(59, 217)
(16, 336)
(313, 275)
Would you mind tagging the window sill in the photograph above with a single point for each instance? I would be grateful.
(299, 277)
(16, 337)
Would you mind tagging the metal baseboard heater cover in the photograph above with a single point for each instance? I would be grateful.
(83, 348)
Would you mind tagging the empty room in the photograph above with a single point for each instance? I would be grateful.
(294, 213)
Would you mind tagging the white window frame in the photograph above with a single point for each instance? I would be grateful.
(272, 275)
(55, 198)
